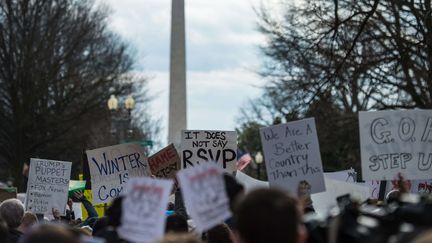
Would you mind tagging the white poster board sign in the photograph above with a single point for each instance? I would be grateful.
(323, 201)
(143, 209)
(395, 142)
(250, 183)
(203, 189)
(112, 167)
(48, 186)
(201, 146)
(350, 176)
(292, 155)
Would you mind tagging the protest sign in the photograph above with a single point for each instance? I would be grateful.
(395, 142)
(217, 146)
(351, 177)
(342, 175)
(48, 185)
(111, 167)
(165, 163)
(292, 155)
(203, 189)
(323, 201)
(143, 209)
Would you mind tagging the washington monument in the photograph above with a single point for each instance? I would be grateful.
(177, 95)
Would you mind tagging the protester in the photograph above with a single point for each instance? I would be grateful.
(28, 220)
(176, 223)
(219, 234)
(51, 233)
(180, 238)
(269, 215)
(12, 211)
(107, 227)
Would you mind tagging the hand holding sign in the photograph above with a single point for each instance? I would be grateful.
(203, 146)
(112, 167)
(203, 189)
(143, 209)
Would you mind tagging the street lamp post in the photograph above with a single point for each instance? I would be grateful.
(121, 118)
(258, 160)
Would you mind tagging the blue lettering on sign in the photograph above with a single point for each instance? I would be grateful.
(108, 167)
(104, 194)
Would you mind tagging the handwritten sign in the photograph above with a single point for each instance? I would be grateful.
(292, 155)
(203, 190)
(323, 201)
(48, 185)
(143, 209)
(165, 163)
(111, 167)
(395, 142)
(218, 146)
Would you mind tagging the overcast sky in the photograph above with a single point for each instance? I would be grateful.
(222, 55)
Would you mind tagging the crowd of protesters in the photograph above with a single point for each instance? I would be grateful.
(260, 216)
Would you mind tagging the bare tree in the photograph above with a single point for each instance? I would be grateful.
(58, 62)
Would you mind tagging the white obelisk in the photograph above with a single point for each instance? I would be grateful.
(177, 96)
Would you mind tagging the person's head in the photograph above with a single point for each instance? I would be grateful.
(50, 233)
(12, 211)
(114, 212)
(28, 220)
(219, 234)
(176, 223)
(179, 238)
(269, 215)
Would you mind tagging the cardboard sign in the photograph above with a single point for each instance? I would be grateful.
(395, 142)
(201, 146)
(203, 189)
(323, 201)
(48, 185)
(143, 209)
(112, 167)
(292, 155)
(165, 163)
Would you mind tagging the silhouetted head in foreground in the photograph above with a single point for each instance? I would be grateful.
(269, 215)
(52, 233)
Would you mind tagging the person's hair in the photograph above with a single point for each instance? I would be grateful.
(176, 223)
(50, 233)
(268, 215)
(180, 238)
(29, 219)
(114, 212)
(12, 211)
(219, 234)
